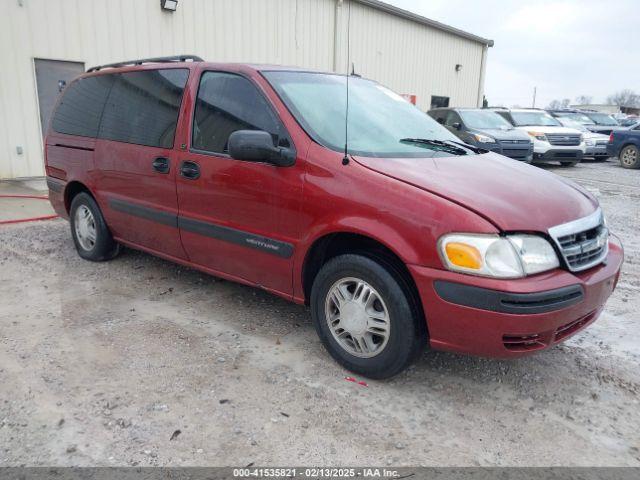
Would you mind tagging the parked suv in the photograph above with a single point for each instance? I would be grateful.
(485, 129)
(595, 143)
(551, 141)
(596, 122)
(406, 239)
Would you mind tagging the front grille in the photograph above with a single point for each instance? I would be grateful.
(567, 140)
(519, 149)
(516, 153)
(583, 243)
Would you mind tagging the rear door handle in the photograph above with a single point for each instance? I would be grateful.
(190, 170)
(161, 165)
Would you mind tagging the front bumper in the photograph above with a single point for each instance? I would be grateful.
(512, 318)
(597, 151)
(520, 152)
(559, 155)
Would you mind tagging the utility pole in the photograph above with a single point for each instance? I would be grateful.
(534, 96)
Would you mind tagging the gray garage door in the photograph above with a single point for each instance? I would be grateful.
(51, 78)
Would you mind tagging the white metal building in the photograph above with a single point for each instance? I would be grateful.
(45, 43)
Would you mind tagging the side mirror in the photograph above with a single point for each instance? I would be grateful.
(457, 126)
(257, 146)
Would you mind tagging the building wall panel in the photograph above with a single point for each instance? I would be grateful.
(400, 53)
(413, 58)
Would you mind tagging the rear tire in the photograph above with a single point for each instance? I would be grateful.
(89, 231)
(365, 316)
(630, 157)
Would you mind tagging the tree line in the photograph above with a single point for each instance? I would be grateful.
(623, 98)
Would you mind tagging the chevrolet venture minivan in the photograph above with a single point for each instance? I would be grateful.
(409, 238)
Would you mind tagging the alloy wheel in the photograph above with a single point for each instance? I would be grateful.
(85, 226)
(629, 156)
(357, 317)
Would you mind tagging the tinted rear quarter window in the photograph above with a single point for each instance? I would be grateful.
(81, 106)
(143, 107)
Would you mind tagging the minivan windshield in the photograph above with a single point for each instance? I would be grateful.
(541, 119)
(381, 122)
(484, 119)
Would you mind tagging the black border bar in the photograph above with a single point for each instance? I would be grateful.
(320, 473)
(506, 302)
(207, 229)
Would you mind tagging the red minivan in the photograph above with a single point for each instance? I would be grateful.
(409, 238)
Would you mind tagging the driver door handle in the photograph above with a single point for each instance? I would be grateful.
(161, 165)
(190, 170)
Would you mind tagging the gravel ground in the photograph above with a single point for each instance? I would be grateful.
(141, 362)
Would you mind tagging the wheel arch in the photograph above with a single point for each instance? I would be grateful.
(629, 143)
(330, 245)
(72, 189)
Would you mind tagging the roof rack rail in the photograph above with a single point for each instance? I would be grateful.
(174, 58)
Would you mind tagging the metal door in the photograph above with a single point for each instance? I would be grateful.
(51, 78)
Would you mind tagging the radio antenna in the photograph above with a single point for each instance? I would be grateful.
(345, 159)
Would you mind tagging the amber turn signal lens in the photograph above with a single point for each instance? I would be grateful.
(463, 255)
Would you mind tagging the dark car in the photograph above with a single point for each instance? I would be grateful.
(596, 122)
(625, 144)
(485, 129)
(408, 238)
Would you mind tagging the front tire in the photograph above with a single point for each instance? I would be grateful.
(630, 157)
(365, 316)
(89, 231)
(569, 164)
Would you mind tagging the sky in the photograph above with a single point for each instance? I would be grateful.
(565, 48)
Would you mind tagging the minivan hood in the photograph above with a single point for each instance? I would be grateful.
(512, 195)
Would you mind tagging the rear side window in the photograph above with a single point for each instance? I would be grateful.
(81, 106)
(439, 116)
(226, 103)
(452, 117)
(143, 107)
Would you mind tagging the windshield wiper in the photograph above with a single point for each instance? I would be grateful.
(444, 146)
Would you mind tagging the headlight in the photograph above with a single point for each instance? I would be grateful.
(588, 142)
(484, 138)
(538, 136)
(513, 256)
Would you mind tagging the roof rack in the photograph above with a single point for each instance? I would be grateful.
(174, 58)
